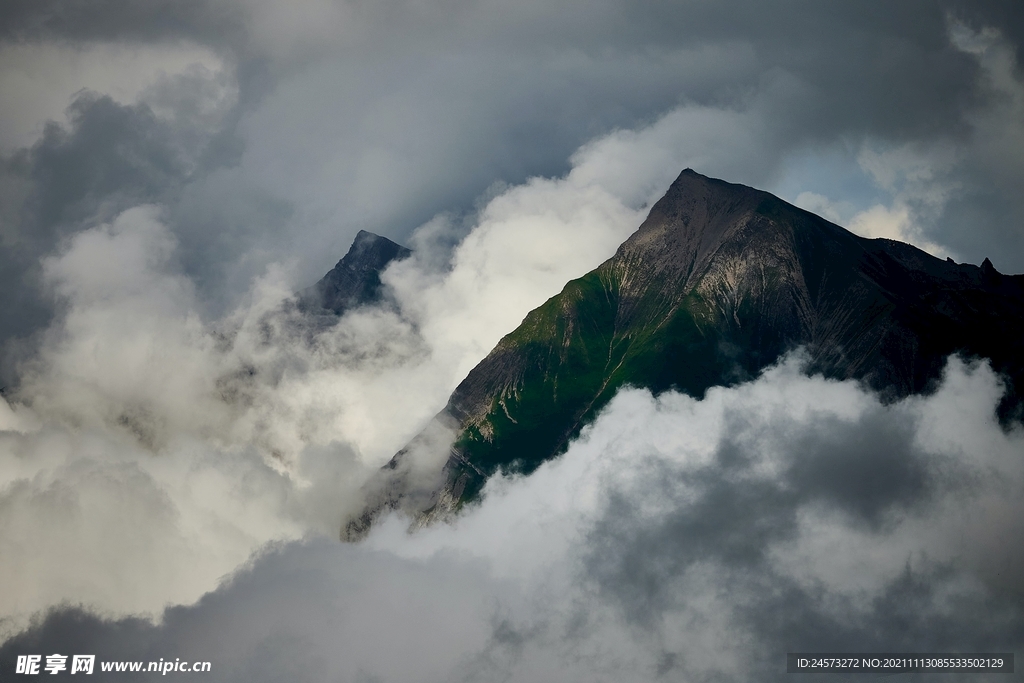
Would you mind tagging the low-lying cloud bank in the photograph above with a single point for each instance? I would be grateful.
(148, 450)
(676, 539)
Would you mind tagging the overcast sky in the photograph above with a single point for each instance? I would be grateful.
(272, 132)
(170, 171)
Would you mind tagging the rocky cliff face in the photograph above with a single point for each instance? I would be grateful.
(715, 285)
(355, 280)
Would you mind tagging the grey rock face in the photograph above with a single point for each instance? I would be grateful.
(355, 280)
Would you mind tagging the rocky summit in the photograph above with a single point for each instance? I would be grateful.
(355, 280)
(717, 283)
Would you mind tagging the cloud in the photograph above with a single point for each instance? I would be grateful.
(273, 136)
(983, 218)
(166, 419)
(107, 460)
(140, 390)
(948, 194)
(141, 424)
(116, 19)
(110, 157)
(677, 537)
(39, 81)
(893, 223)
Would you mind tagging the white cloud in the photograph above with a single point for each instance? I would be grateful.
(821, 205)
(677, 537)
(646, 520)
(894, 223)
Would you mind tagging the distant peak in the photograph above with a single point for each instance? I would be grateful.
(365, 237)
(372, 251)
(689, 175)
(355, 280)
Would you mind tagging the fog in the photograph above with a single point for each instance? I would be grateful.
(179, 445)
(677, 538)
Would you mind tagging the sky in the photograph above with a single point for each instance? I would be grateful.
(178, 451)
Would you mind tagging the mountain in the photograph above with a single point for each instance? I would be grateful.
(355, 280)
(717, 283)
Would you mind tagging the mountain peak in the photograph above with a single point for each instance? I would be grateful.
(716, 284)
(355, 280)
(365, 239)
(372, 251)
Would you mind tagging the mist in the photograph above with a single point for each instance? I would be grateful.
(180, 446)
(162, 447)
(677, 537)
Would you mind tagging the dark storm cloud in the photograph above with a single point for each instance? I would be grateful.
(869, 67)
(332, 598)
(113, 157)
(1006, 16)
(732, 517)
(724, 513)
(116, 20)
(110, 157)
(922, 609)
(865, 468)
